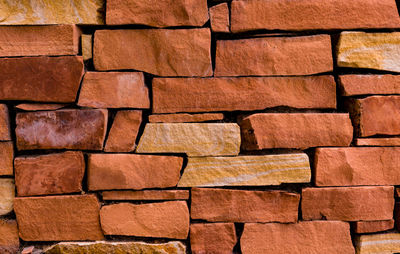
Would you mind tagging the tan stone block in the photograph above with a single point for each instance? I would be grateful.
(7, 195)
(384, 243)
(87, 46)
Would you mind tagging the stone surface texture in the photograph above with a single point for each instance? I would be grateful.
(246, 170)
(146, 195)
(7, 194)
(219, 18)
(9, 239)
(39, 107)
(5, 132)
(6, 158)
(352, 85)
(217, 238)
(361, 227)
(378, 142)
(185, 118)
(194, 139)
(378, 243)
(87, 46)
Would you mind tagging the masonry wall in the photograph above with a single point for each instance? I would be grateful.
(194, 126)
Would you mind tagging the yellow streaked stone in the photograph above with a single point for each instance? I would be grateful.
(86, 40)
(386, 243)
(29, 12)
(246, 170)
(379, 51)
(194, 139)
(7, 194)
(173, 247)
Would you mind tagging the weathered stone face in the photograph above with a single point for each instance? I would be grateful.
(219, 18)
(6, 158)
(9, 239)
(378, 243)
(5, 132)
(146, 195)
(212, 237)
(87, 47)
(352, 85)
(361, 227)
(7, 194)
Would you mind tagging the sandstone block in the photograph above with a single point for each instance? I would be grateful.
(369, 84)
(378, 142)
(58, 218)
(194, 139)
(146, 195)
(274, 56)
(39, 107)
(361, 227)
(163, 14)
(6, 158)
(378, 51)
(246, 170)
(39, 40)
(217, 238)
(219, 17)
(114, 90)
(49, 174)
(62, 129)
(123, 132)
(132, 171)
(378, 243)
(45, 79)
(185, 118)
(162, 52)
(172, 95)
(348, 204)
(295, 130)
(5, 133)
(221, 205)
(167, 219)
(87, 46)
(328, 237)
(7, 194)
(84, 12)
(357, 166)
(313, 15)
(9, 239)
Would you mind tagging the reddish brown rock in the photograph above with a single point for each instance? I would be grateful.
(146, 195)
(167, 219)
(5, 133)
(45, 79)
(114, 90)
(39, 107)
(124, 130)
(62, 129)
(378, 142)
(244, 206)
(357, 166)
(328, 237)
(369, 84)
(9, 239)
(172, 95)
(295, 130)
(132, 171)
(361, 227)
(39, 40)
(162, 52)
(162, 14)
(6, 158)
(216, 238)
(348, 204)
(376, 115)
(274, 56)
(58, 218)
(49, 174)
(185, 118)
(219, 17)
(313, 15)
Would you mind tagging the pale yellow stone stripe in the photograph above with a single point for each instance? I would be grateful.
(386, 243)
(246, 170)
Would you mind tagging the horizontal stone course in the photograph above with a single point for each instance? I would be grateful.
(146, 195)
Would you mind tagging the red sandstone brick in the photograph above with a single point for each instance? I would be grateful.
(39, 107)
(219, 18)
(185, 118)
(5, 133)
(172, 95)
(9, 239)
(44, 79)
(369, 84)
(362, 227)
(58, 218)
(274, 56)
(328, 237)
(313, 14)
(146, 195)
(295, 130)
(167, 219)
(49, 174)
(357, 166)
(124, 130)
(348, 204)
(221, 205)
(6, 158)
(378, 142)
(216, 238)
(39, 40)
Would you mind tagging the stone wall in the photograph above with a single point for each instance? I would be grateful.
(194, 126)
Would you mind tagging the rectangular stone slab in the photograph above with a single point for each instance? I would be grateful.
(369, 50)
(172, 95)
(295, 130)
(378, 142)
(45, 12)
(378, 243)
(313, 15)
(132, 171)
(162, 52)
(194, 139)
(361, 227)
(185, 118)
(45, 79)
(163, 220)
(357, 166)
(39, 40)
(58, 218)
(6, 158)
(5, 132)
(328, 237)
(219, 18)
(83, 129)
(272, 56)
(221, 205)
(56, 173)
(246, 170)
(348, 203)
(146, 195)
(369, 84)
(9, 240)
(212, 237)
